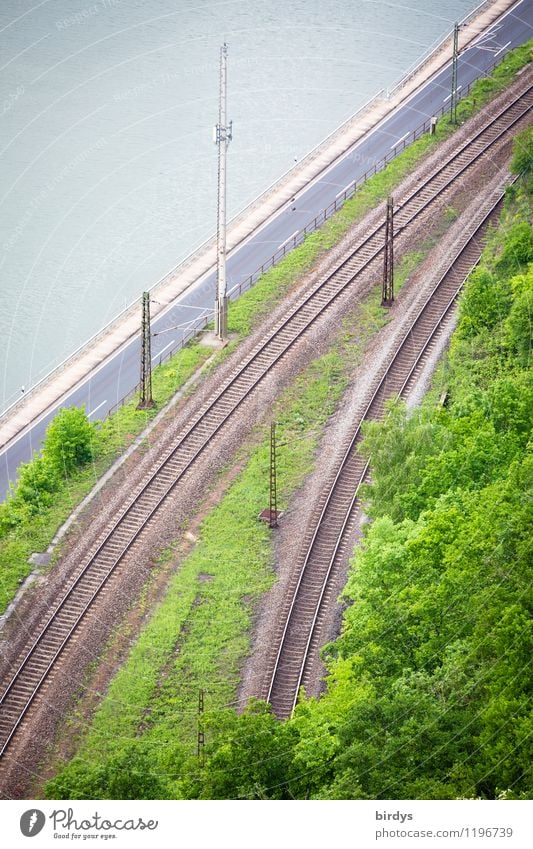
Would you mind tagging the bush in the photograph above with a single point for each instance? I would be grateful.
(518, 249)
(484, 303)
(522, 161)
(38, 481)
(67, 446)
(68, 441)
(520, 320)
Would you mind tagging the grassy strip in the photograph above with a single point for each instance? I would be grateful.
(118, 431)
(110, 440)
(199, 634)
(198, 637)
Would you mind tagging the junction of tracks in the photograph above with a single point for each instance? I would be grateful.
(214, 420)
(104, 372)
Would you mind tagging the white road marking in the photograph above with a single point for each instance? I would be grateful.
(288, 240)
(96, 409)
(246, 240)
(343, 191)
(481, 40)
(163, 350)
(400, 140)
(459, 87)
(505, 46)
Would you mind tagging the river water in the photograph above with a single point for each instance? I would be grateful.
(107, 158)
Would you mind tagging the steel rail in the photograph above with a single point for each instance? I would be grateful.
(348, 454)
(202, 414)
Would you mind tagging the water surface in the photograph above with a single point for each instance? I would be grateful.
(108, 164)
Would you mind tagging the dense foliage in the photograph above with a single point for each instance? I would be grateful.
(66, 447)
(429, 682)
(24, 529)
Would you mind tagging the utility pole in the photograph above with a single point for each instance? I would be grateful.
(201, 736)
(273, 506)
(454, 98)
(145, 394)
(222, 139)
(271, 514)
(387, 297)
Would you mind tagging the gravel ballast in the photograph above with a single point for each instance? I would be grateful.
(19, 768)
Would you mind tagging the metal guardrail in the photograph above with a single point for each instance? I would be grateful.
(309, 228)
(470, 15)
(195, 329)
(197, 252)
(433, 49)
(204, 246)
(318, 221)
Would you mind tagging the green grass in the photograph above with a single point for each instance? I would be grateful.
(119, 430)
(111, 438)
(199, 635)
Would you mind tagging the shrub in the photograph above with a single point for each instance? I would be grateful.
(522, 161)
(68, 440)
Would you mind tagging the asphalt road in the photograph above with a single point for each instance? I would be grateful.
(114, 379)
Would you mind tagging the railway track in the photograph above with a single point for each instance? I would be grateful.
(298, 638)
(63, 620)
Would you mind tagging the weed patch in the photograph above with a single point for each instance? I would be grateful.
(120, 429)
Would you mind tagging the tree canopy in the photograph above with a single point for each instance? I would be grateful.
(429, 683)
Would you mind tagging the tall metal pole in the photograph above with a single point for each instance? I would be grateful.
(222, 139)
(453, 100)
(200, 735)
(387, 296)
(273, 507)
(145, 393)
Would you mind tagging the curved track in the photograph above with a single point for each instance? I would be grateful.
(127, 527)
(298, 639)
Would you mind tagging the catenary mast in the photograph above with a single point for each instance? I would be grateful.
(222, 139)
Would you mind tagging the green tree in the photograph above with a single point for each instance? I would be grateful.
(34, 492)
(517, 252)
(247, 756)
(37, 483)
(129, 774)
(484, 304)
(519, 324)
(522, 161)
(68, 440)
